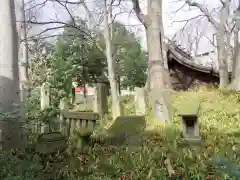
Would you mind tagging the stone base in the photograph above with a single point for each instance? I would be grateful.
(194, 140)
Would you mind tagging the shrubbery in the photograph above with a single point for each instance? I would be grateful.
(219, 121)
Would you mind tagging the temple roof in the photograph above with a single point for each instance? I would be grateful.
(206, 62)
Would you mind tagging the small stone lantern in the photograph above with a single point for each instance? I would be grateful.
(189, 114)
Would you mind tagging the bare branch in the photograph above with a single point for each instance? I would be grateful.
(205, 12)
(64, 25)
(65, 6)
(187, 20)
(142, 17)
(180, 8)
(223, 3)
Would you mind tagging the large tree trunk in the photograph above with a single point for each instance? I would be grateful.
(23, 51)
(9, 68)
(222, 53)
(157, 53)
(168, 82)
(163, 46)
(111, 66)
(235, 79)
(157, 60)
(159, 74)
(23, 57)
(222, 63)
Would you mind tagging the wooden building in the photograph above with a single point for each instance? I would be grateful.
(186, 73)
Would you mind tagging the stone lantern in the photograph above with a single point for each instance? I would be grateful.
(189, 114)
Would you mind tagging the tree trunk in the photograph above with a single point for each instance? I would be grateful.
(9, 71)
(155, 48)
(23, 47)
(222, 53)
(23, 57)
(163, 46)
(235, 79)
(147, 84)
(221, 37)
(108, 54)
(111, 65)
(222, 63)
(158, 72)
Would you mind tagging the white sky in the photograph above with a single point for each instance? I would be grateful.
(52, 11)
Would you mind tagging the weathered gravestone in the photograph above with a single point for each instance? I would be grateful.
(126, 129)
(189, 113)
(140, 101)
(45, 102)
(53, 142)
(100, 102)
(11, 135)
(161, 104)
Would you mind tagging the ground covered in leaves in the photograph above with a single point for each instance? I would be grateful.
(216, 159)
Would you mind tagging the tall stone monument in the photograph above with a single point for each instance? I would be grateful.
(45, 103)
(100, 102)
(140, 101)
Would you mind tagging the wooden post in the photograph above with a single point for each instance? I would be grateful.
(45, 103)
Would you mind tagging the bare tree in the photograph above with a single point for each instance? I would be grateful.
(190, 35)
(9, 68)
(222, 36)
(111, 65)
(157, 62)
(107, 37)
(235, 83)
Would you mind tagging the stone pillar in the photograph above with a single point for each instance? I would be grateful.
(100, 102)
(140, 101)
(63, 125)
(45, 103)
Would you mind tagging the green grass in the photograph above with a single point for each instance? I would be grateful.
(219, 119)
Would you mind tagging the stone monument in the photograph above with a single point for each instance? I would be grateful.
(140, 101)
(45, 103)
(100, 102)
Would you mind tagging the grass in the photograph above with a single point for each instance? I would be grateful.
(219, 119)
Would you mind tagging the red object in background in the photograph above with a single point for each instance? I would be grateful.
(80, 90)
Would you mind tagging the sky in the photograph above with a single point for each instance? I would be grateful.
(52, 11)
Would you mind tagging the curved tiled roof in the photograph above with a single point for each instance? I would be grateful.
(187, 60)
